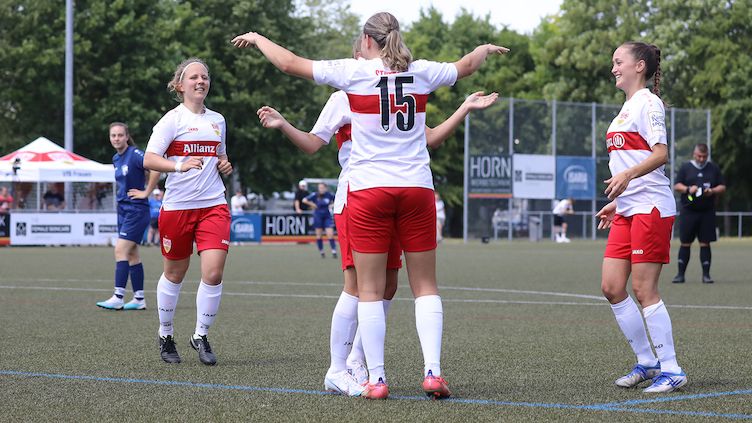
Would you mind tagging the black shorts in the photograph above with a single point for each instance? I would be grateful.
(559, 220)
(697, 224)
(154, 223)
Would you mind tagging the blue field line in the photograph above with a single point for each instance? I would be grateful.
(613, 407)
(677, 398)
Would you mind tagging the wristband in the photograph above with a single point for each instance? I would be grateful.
(179, 167)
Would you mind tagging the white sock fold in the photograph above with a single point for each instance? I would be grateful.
(429, 320)
(659, 325)
(372, 324)
(356, 353)
(344, 323)
(630, 322)
(207, 305)
(167, 299)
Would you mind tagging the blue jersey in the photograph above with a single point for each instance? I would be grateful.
(129, 174)
(322, 202)
(154, 207)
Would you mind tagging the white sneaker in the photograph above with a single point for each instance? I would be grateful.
(667, 382)
(559, 239)
(638, 375)
(565, 239)
(359, 371)
(114, 303)
(342, 383)
(135, 304)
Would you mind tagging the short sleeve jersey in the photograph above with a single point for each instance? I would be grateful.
(388, 114)
(640, 125)
(323, 202)
(562, 207)
(334, 120)
(704, 177)
(129, 174)
(182, 134)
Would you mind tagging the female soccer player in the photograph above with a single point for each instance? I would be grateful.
(391, 186)
(133, 217)
(641, 217)
(189, 142)
(320, 201)
(347, 373)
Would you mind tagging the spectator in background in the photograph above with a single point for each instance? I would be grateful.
(560, 211)
(440, 216)
(700, 182)
(53, 199)
(6, 200)
(238, 203)
(301, 194)
(155, 205)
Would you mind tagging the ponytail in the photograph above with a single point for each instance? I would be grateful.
(651, 54)
(384, 29)
(657, 76)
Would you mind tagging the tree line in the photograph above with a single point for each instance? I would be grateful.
(126, 51)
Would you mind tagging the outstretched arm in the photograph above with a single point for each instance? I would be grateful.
(476, 101)
(282, 58)
(472, 61)
(305, 141)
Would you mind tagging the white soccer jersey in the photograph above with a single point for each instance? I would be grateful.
(388, 118)
(179, 135)
(562, 207)
(640, 125)
(335, 119)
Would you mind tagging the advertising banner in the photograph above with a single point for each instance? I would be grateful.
(62, 228)
(246, 228)
(4, 229)
(534, 176)
(575, 177)
(287, 227)
(490, 176)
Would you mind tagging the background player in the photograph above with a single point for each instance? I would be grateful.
(320, 202)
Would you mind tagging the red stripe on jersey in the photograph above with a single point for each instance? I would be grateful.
(371, 104)
(193, 148)
(626, 141)
(343, 135)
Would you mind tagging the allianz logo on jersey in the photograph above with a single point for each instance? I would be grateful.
(616, 141)
(199, 148)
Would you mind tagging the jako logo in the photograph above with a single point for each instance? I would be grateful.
(637, 252)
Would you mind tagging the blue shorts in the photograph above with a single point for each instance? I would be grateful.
(132, 221)
(323, 221)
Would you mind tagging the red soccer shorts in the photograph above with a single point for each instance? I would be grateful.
(394, 260)
(209, 227)
(640, 238)
(376, 214)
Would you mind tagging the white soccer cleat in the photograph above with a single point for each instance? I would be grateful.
(667, 382)
(135, 304)
(114, 303)
(359, 371)
(342, 383)
(638, 375)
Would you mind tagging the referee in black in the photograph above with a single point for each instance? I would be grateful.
(699, 181)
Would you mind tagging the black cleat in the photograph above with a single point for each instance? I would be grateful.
(334, 254)
(679, 278)
(707, 279)
(323, 255)
(205, 354)
(167, 349)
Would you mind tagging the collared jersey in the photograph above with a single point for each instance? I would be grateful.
(179, 135)
(335, 120)
(129, 174)
(640, 125)
(388, 118)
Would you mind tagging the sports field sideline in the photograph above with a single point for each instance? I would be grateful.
(527, 336)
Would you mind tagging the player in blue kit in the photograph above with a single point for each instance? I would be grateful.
(320, 202)
(133, 217)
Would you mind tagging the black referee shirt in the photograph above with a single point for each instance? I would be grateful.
(708, 176)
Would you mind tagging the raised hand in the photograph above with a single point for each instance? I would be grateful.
(270, 118)
(477, 100)
(245, 40)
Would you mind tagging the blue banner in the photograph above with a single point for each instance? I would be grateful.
(575, 177)
(246, 228)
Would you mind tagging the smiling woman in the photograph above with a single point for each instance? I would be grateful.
(189, 142)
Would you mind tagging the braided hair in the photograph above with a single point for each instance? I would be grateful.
(651, 54)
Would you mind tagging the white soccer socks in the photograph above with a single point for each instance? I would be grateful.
(372, 324)
(356, 353)
(429, 320)
(167, 299)
(659, 325)
(344, 322)
(630, 321)
(207, 305)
